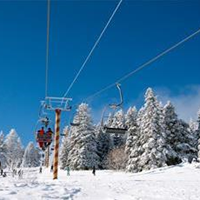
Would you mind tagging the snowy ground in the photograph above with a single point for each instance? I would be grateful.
(175, 183)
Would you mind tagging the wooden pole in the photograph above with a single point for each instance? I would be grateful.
(56, 140)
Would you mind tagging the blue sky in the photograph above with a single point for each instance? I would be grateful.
(139, 31)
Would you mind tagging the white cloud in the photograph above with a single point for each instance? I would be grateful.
(187, 102)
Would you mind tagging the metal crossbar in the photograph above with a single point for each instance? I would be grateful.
(53, 103)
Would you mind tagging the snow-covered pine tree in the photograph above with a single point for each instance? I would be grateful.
(172, 124)
(1, 138)
(198, 121)
(134, 149)
(31, 156)
(172, 129)
(199, 149)
(109, 120)
(64, 148)
(118, 121)
(198, 134)
(186, 146)
(131, 123)
(179, 135)
(83, 145)
(108, 123)
(14, 149)
(104, 145)
(130, 117)
(151, 150)
(21, 151)
(193, 125)
(3, 158)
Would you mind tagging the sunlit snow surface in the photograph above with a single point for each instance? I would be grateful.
(172, 183)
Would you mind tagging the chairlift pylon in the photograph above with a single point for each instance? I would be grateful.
(44, 136)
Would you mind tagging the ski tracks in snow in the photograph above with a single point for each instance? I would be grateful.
(30, 188)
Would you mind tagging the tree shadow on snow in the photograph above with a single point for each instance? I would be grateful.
(72, 193)
(67, 195)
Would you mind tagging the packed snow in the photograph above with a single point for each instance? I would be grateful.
(174, 183)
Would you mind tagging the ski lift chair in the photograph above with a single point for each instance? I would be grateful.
(74, 124)
(113, 130)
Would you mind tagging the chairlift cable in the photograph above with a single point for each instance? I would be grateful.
(40, 138)
(92, 50)
(143, 66)
(47, 48)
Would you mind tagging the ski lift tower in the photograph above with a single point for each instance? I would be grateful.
(58, 105)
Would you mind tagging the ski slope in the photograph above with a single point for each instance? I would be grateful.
(172, 183)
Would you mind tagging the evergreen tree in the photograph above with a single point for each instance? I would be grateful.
(118, 121)
(193, 125)
(83, 145)
(131, 123)
(3, 155)
(31, 156)
(172, 124)
(20, 152)
(14, 150)
(198, 120)
(131, 117)
(1, 138)
(133, 145)
(131, 148)
(173, 130)
(179, 135)
(109, 121)
(150, 149)
(104, 145)
(185, 143)
(64, 148)
(198, 128)
(199, 149)
(198, 135)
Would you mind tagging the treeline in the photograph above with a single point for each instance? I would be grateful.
(13, 154)
(156, 137)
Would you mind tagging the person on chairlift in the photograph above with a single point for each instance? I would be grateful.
(40, 137)
(49, 135)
